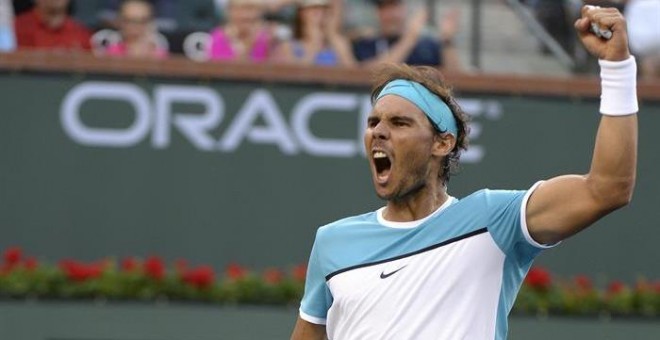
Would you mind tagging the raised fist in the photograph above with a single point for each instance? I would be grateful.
(613, 49)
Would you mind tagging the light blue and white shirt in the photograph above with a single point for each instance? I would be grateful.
(452, 275)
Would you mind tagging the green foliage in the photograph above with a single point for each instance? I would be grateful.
(152, 280)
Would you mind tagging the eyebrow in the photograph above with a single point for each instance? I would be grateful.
(372, 118)
(401, 118)
(393, 118)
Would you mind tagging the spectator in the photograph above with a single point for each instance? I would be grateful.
(164, 13)
(644, 31)
(244, 36)
(399, 42)
(140, 39)
(48, 25)
(317, 39)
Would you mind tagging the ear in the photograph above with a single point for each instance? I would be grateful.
(443, 144)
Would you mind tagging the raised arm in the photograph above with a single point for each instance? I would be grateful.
(339, 43)
(448, 27)
(562, 206)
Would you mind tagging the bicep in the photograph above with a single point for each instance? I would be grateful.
(561, 207)
(305, 330)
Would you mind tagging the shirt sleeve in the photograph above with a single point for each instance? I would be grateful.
(508, 225)
(317, 298)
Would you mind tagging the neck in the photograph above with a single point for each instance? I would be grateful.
(51, 18)
(390, 32)
(422, 204)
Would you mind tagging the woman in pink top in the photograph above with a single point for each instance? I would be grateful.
(138, 31)
(244, 36)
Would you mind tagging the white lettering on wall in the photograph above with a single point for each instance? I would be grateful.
(312, 104)
(259, 120)
(97, 136)
(196, 127)
(259, 104)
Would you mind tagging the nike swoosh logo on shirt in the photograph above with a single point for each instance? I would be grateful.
(385, 276)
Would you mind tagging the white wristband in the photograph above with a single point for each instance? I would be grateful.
(619, 87)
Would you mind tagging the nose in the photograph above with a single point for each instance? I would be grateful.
(380, 131)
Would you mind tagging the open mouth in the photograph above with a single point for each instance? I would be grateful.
(383, 165)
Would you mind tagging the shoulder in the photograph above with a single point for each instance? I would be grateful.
(489, 198)
(477, 196)
(348, 222)
(74, 25)
(27, 15)
(218, 33)
(25, 18)
(345, 226)
(490, 193)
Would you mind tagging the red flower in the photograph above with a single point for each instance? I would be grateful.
(154, 267)
(12, 256)
(235, 271)
(538, 278)
(299, 272)
(200, 277)
(79, 272)
(31, 263)
(616, 287)
(129, 264)
(656, 287)
(583, 282)
(273, 276)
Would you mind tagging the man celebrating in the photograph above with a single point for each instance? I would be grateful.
(429, 266)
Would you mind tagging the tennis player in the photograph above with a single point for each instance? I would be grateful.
(430, 266)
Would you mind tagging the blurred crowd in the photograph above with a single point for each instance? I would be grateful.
(642, 17)
(304, 32)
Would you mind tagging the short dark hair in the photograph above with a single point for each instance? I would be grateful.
(433, 80)
(379, 3)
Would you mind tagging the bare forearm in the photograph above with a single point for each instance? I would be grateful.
(614, 164)
(343, 50)
(308, 331)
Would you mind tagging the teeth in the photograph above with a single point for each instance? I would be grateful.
(379, 154)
